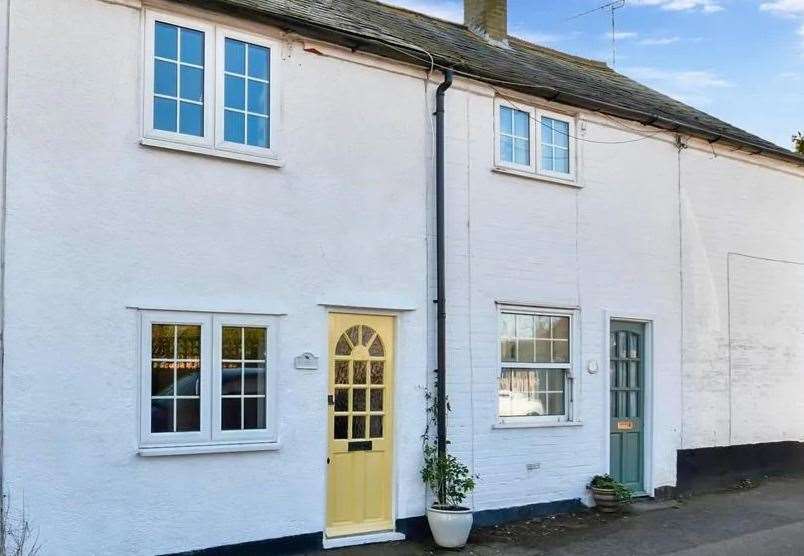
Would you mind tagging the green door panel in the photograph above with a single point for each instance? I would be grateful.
(627, 367)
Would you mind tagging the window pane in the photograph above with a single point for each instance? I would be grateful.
(231, 343)
(164, 114)
(192, 47)
(188, 341)
(376, 399)
(341, 372)
(358, 426)
(165, 80)
(188, 378)
(542, 351)
(555, 404)
(341, 399)
(231, 379)
(376, 426)
(524, 326)
(522, 152)
(547, 131)
(555, 380)
(234, 127)
(561, 162)
(521, 124)
(359, 400)
(192, 83)
(255, 378)
(192, 119)
(547, 158)
(560, 328)
(258, 61)
(257, 131)
(506, 149)
(162, 415)
(359, 372)
(542, 327)
(341, 426)
(507, 325)
(522, 396)
(166, 41)
(560, 133)
(254, 342)
(377, 372)
(235, 92)
(230, 414)
(254, 413)
(561, 352)
(162, 378)
(162, 341)
(506, 120)
(188, 415)
(258, 97)
(235, 56)
(524, 351)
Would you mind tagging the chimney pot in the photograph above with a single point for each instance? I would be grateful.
(487, 18)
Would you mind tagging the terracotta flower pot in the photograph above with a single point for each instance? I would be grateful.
(606, 499)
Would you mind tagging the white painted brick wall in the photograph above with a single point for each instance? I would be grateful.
(96, 222)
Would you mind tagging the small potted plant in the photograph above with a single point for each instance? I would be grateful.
(609, 494)
(450, 481)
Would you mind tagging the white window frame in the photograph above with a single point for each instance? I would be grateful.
(571, 140)
(151, 18)
(498, 104)
(273, 96)
(261, 435)
(571, 369)
(210, 433)
(212, 142)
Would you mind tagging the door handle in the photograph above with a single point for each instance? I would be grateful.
(330, 399)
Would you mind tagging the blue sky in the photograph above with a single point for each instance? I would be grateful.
(739, 60)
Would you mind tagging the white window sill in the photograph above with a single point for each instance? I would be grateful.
(208, 151)
(524, 424)
(572, 182)
(208, 449)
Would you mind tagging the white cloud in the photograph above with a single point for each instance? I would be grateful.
(705, 6)
(451, 10)
(689, 86)
(620, 35)
(784, 7)
(659, 41)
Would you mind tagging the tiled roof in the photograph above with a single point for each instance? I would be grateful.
(371, 26)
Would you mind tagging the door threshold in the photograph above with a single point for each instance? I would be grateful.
(363, 538)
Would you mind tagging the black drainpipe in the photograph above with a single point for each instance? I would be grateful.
(441, 371)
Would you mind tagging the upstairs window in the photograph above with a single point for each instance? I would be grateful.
(246, 91)
(209, 88)
(514, 136)
(178, 80)
(555, 146)
(534, 141)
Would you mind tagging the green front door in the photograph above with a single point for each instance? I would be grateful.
(627, 403)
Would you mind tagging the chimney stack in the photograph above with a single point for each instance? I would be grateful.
(487, 18)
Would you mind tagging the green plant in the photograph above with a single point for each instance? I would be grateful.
(622, 492)
(449, 480)
(448, 472)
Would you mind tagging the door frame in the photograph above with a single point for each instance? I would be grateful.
(357, 311)
(648, 407)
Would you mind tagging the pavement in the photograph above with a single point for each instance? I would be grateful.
(754, 520)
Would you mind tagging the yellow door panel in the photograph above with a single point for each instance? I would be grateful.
(360, 424)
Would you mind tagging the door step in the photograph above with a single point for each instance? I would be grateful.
(370, 538)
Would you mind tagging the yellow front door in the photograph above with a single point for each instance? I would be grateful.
(361, 370)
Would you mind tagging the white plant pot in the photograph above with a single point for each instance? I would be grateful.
(450, 527)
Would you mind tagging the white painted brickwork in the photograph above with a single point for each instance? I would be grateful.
(97, 222)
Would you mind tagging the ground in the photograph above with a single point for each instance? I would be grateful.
(751, 519)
